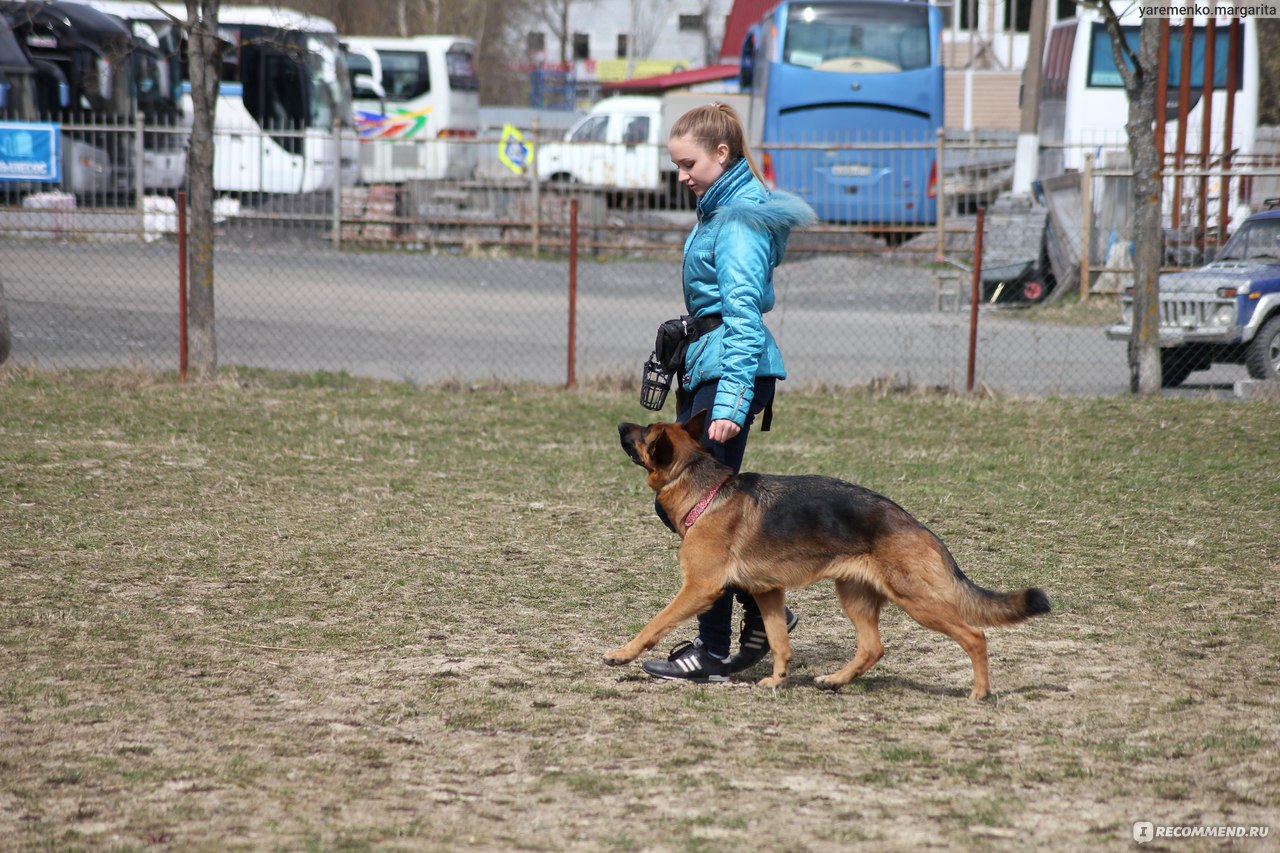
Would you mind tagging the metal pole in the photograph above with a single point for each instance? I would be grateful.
(182, 286)
(535, 193)
(1206, 131)
(139, 155)
(1162, 96)
(336, 223)
(573, 289)
(973, 299)
(1086, 223)
(1184, 104)
(1233, 54)
(940, 193)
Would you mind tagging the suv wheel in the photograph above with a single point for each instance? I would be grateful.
(1263, 355)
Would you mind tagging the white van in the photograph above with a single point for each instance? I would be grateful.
(622, 142)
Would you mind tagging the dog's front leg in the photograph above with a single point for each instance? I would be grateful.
(698, 592)
(773, 611)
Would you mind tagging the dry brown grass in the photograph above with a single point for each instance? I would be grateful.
(325, 613)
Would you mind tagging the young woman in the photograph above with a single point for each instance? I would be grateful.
(739, 237)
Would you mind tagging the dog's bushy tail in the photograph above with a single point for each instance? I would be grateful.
(989, 608)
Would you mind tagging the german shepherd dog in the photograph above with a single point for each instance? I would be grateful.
(767, 534)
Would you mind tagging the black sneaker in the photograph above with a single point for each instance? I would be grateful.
(753, 643)
(688, 661)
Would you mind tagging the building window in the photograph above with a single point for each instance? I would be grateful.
(536, 43)
(581, 46)
(692, 23)
(1066, 10)
(622, 45)
(1020, 12)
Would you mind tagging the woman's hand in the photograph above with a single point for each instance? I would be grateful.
(722, 430)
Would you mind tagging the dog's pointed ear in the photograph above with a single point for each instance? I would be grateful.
(660, 452)
(696, 425)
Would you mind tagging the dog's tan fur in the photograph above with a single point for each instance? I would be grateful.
(767, 534)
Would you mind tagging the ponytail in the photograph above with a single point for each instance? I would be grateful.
(715, 124)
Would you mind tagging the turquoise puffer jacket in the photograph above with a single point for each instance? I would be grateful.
(740, 236)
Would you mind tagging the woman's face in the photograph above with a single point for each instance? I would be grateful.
(698, 167)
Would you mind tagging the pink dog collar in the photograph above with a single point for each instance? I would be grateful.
(701, 506)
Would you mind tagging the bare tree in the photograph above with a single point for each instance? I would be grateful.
(650, 21)
(1140, 72)
(204, 61)
(555, 14)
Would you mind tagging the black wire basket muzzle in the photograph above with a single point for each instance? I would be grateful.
(654, 385)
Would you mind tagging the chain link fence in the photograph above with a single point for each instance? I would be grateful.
(475, 280)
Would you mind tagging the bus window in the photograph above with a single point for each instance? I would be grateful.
(404, 74)
(462, 69)
(1103, 73)
(864, 39)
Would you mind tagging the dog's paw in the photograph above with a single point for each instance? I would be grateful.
(771, 682)
(618, 657)
(822, 683)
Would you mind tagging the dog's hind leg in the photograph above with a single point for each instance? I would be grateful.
(861, 603)
(774, 612)
(945, 617)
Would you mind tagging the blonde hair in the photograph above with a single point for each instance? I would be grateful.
(712, 125)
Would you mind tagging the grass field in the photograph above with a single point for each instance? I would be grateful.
(320, 613)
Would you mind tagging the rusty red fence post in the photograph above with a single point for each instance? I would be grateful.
(573, 289)
(973, 299)
(182, 286)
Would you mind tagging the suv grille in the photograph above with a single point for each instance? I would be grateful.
(1188, 313)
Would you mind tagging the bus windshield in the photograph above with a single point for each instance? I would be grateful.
(858, 38)
(1103, 72)
(329, 83)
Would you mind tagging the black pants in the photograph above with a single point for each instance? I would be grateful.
(715, 627)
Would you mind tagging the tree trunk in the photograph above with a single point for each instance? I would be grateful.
(205, 66)
(1144, 353)
(1141, 72)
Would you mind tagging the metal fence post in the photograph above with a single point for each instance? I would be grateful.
(139, 157)
(182, 286)
(1086, 223)
(535, 192)
(974, 297)
(940, 191)
(336, 221)
(573, 291)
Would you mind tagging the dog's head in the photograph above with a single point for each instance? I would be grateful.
(658, 447)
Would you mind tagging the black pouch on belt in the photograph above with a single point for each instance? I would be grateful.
(675, 336)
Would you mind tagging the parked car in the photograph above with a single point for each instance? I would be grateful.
(1227, 311)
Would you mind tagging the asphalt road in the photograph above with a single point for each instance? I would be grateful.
(295, 304)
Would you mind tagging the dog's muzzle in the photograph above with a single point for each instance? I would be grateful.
(628, 433)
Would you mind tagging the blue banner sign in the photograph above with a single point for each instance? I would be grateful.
(30, 152)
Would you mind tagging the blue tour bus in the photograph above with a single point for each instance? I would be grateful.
(846, 101)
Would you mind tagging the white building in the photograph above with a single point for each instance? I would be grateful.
(606, 36)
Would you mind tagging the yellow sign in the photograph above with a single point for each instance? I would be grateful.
(513, 151)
